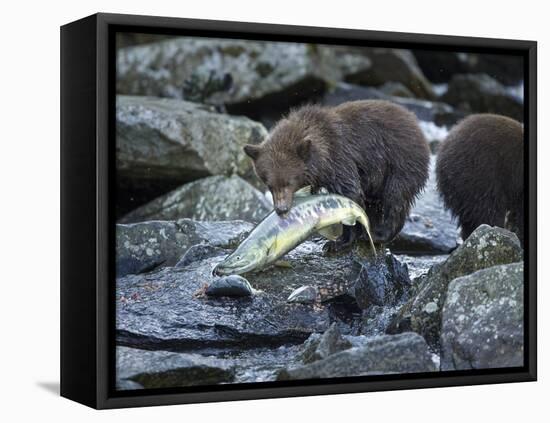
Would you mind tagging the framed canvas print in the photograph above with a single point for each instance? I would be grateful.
(255, 211)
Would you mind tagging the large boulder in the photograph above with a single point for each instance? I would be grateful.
(506, 69)
(213, 198)
(485, 247)
(166, 142)
(141, 247)
(386, 354)
(162, 369)
(166, 308)
(383, 281)
(320, 346)
(429, 228)
(441, 66)
(243, 76)
(437, 112)
(393, 65)
(482, 320)
(479, 93)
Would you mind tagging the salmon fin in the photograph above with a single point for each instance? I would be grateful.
(332, 232)
(303, 192)
(283, 263)
(350, 221)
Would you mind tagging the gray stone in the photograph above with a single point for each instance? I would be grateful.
(383, 282)
(386, 354)
(482, 320)
(318, 347)
(213, 198)
(479, 93)
(127, 385)
(303, 295)
(254, 72)
(430, 111)
(229, 286)
(393, 65)
(165, 309)
(141, 247)
(396, 89)
(161, 369)
(429, 228)
(440, 66)
(198, 252)
(176, 141)
(485, 247)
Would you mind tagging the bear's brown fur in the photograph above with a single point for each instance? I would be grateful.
(480, 173)
(371, 151)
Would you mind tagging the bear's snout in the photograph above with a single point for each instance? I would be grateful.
(282, 201)
(283, 209)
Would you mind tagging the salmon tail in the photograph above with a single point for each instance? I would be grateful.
(364, 219)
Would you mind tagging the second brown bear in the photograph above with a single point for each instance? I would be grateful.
(480, 173)
(371, 151)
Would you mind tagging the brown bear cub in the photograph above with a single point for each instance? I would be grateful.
(370, 151)
(480, 173)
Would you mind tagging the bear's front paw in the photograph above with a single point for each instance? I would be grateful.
(337, 247)
(383, 235)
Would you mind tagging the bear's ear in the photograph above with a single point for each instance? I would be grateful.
(304, 149)
(252, 151)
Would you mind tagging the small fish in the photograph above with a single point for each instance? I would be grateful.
(276, 235)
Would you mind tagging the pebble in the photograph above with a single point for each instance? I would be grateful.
(303, 295)
(230, 286)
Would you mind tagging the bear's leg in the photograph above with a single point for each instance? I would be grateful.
(349, 235)
(395, 207)
(466, 229)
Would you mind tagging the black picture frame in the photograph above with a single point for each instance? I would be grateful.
(87, 229)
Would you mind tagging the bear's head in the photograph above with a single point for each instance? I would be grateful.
(283, 161)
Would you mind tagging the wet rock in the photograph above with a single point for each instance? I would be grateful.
(343, 92)
(396, 89)
(162, 69)
(127, 385)
(208, 199)
(255, 74)
(320, 346)
(393, 65)
(383, 281)
(506, 69)
(303, 295)
(440, 66)
(386, 354)
(229, 286)
(162, 142)
(336, 63)
(485, 247)
(141, 247)
(482, 320)
(161, 309)
(479, 93)
(429, 228)
(437, 112)
(198, 252)
(127, 39)
(161, 369)
(430, 111)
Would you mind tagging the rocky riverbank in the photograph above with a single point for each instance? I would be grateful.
(187, 196)
(368, 316)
